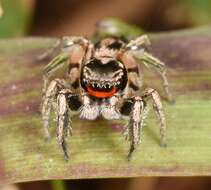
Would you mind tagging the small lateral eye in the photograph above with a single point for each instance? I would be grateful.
(140, 48)
(134, 47)
(67, 48)
(69, 43)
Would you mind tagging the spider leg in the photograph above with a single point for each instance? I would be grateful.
(50, 68)
(51, 51)
(49, 102)
(62, 122)
(137, 111)
(69, 50)
(137, 108)
(67, 47)
(157, 105)
(66, 100)
(61, 98)
(56, 63)
(160, 67)
(137, 48)
(140, 43)
(62, 45)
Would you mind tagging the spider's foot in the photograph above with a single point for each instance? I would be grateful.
(171, 100)
(66, 157)
(129, 157)
(163, 144)
(65, 151)
(47, 135)
(130, 153)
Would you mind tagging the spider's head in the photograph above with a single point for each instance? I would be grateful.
(103, 79)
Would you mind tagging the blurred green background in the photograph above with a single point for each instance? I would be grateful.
(15, 19)
(68, 17)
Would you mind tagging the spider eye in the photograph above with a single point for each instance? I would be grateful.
(67, 47)
(115, 45)
(69, 43)
(134, 47)
(140, 48)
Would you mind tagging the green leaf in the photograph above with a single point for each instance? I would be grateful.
(97, 148)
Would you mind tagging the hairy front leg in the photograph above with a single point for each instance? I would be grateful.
(136, 110)
(158, 107)
(62, 122)
(49, 101)
(66, 101)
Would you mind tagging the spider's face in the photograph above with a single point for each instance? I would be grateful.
(103, 80)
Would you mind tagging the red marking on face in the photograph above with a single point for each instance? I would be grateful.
(101, 94)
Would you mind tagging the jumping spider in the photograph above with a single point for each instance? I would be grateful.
(102, 79)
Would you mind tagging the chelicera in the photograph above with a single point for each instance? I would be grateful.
(102, 79)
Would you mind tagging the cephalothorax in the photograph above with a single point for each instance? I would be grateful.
(102, 79)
